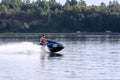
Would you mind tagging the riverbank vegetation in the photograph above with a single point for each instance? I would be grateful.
(50, 16)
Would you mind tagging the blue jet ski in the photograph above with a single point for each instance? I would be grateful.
(54, 46)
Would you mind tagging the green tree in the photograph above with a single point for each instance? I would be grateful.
(26, 1)
(82, 3)
(3, 9)
(42, 7)
(5, 2)
(73, 2)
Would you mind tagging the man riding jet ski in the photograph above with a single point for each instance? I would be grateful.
(52, 45)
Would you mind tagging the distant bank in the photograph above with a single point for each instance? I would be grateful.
(56, 34)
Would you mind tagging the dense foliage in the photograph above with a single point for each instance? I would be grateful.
(51, 16)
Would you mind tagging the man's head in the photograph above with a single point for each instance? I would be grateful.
(43, 35)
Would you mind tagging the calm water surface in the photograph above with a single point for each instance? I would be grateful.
(85, 57)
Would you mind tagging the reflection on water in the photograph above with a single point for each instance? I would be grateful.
(85, 57)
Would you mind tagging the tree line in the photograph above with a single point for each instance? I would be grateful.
(51, 16)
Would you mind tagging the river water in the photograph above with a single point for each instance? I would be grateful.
(85, 57)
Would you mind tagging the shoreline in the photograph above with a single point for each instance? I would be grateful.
(90, 33)
(52, 35)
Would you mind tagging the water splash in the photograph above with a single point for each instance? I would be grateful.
(20, 48)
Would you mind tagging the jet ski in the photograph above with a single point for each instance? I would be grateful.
(54, 46)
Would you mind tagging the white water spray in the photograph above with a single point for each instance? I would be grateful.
(20, 48)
